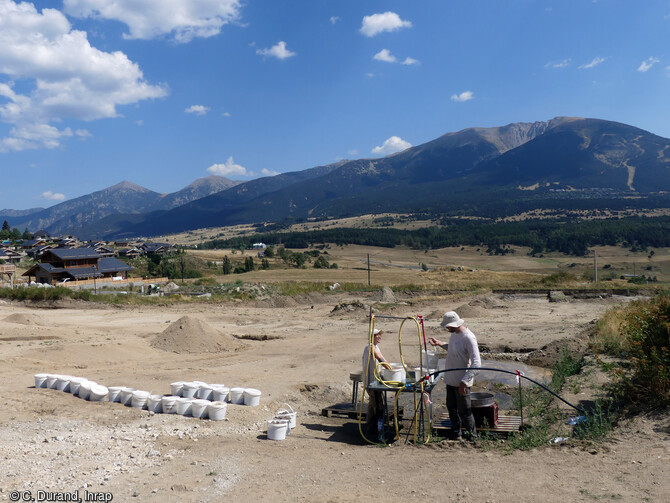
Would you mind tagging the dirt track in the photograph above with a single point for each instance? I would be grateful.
(53, 441)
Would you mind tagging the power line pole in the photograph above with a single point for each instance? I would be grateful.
(595, 265)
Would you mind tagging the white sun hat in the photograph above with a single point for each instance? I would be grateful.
(451, 319)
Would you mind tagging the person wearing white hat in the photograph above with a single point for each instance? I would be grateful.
(462, 353)
(370, 361)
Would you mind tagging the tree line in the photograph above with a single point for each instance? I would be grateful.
(561, 235)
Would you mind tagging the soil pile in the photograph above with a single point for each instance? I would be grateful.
(386, 296)
(469, 311)
(23, 319)
(191, 335)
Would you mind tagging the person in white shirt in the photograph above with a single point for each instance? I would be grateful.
(463, 353)
(375, 401)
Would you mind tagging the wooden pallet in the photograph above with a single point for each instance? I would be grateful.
(506, 424)
(346, 410)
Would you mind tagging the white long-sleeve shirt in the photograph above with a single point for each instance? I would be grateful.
(462, 352)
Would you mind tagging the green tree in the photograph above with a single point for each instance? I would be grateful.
(298, 259)
(5, 226)
(321, 263)
(27, 234)
(227, 265)
(265, 264)
(249, 264)
(269, 252)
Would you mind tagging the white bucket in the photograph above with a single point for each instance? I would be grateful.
(139, 399)
(63, 383)
(189, 389)
(199, 408)
(205, 392)
(75, 384)
(169, 404)
(220, 394)
(289, 414)
(114, 393)
(252, 397)
(176, 387)
(51, 381)
(184, 406)
(395, 374)
(277, 429)
(216, 411)
(126, 396)
(154, 403)
(98, 393)
(85, 389)
(429, 359)
(41, 380)
(236, 396)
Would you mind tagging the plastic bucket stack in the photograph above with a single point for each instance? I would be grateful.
(126, 396)
(288, 414)
(41, 380)
(115, 393)
(184, 406)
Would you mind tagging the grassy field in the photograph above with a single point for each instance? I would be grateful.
(468, 267)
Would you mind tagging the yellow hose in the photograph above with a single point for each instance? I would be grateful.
(395, 384)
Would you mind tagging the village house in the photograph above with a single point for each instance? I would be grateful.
(64, 264)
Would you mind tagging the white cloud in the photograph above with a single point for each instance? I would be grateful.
(147, 19)
(594, 62)
(334, 19)
(226, 114)
(269, 172)
(379, 23)
(392, 145)
(229, 168)
(65, 77)
(647, 64)
(410, 61)
(370, 75)
(278, 51)
(52, 196)
(353, 152)
(561, 64)
(385, 55)
(464, 96)
(197, 110)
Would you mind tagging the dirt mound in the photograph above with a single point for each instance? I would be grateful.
(488, 302)
(467, 311)
(386, 296)
(24, 319)
(550, 354)
(284, 301)
(350, 306)
(190, 335)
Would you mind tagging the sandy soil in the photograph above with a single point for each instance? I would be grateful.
(53, 441)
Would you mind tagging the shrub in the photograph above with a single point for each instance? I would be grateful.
(647, 328)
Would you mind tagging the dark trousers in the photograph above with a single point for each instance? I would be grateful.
(375, 410)
(460, 412)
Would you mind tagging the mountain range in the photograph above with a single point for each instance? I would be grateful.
(486, 171)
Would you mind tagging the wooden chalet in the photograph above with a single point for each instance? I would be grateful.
(156, 248)
(132, 252)
(31, 244)
(62, 264)
(9, 256)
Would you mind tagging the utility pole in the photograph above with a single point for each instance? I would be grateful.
(368, 269)
(595, 265)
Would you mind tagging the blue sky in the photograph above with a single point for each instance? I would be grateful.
(162, 92)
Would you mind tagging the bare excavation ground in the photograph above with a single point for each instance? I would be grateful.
(299, 354)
